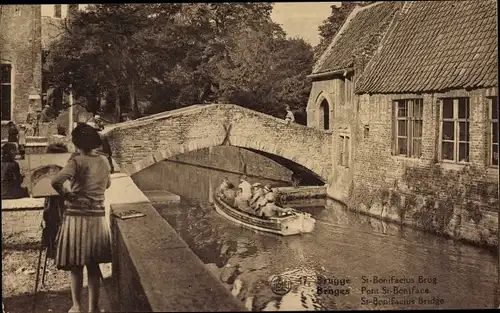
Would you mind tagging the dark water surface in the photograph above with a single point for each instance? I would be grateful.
(338, 266)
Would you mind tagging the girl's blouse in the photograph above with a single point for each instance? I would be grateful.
(89, 175)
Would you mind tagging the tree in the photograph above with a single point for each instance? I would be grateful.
(265, 73)
(176, 55)
(332, 24)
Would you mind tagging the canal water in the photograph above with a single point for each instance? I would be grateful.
(350, 261)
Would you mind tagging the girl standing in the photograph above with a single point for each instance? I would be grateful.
(84, 239)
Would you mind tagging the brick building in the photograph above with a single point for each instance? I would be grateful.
(412, 86)
(26, 32)
(21, 60)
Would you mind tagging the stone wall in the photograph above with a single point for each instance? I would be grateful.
(20, 46)
(338, 92)
(153, 268)
(139, 144)
(447, 198)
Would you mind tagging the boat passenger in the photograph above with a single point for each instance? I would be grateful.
(223, 187)
(246, 188)
(241, 202)
(272, 210)
(229, 194)
(258, 199)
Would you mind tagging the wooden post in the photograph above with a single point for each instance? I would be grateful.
(210, 186)
(70, 111)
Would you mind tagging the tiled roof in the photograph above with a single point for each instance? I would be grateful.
(364, 27)
(436, 45)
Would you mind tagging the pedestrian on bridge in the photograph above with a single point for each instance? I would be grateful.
(290, 117)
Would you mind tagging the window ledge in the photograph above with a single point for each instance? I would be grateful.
(328, 131)
(406, 159)
(453, 166)
(6, 122)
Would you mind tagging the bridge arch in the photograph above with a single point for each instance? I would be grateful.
(137, 145)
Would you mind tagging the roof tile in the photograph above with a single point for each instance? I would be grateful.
(364, 29)
(437, 45)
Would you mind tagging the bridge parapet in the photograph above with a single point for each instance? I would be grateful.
(141, 143)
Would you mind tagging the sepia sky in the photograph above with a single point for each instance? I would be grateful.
(301, 19)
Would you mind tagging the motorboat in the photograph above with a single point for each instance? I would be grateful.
(293, 223)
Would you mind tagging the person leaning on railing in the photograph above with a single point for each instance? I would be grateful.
(290, 117)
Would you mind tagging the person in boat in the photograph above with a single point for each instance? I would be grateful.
(229, 194)
(246, 189)
(222, 188)
(258, 198)
(270, 209)
(226, 191)
(241, 202)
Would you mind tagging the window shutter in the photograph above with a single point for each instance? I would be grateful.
(393, 128)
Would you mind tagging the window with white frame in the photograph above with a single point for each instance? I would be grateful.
(493, 131)
(408, 123)
(454, 143)
(344, 143)
(6, 91)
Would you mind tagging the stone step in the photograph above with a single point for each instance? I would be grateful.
(161, 196)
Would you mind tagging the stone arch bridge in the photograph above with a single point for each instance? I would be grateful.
(141, 143)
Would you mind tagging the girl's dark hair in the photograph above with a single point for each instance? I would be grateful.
(85, 137)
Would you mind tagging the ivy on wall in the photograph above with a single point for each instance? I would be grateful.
(428, 196)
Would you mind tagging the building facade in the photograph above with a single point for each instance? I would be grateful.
(410, 98)
(21, 61)
(26, 33)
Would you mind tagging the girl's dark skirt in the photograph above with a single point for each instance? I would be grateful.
(84, 237)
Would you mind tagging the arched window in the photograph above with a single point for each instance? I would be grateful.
(324, 114)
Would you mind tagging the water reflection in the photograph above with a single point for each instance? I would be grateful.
(344, 246)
